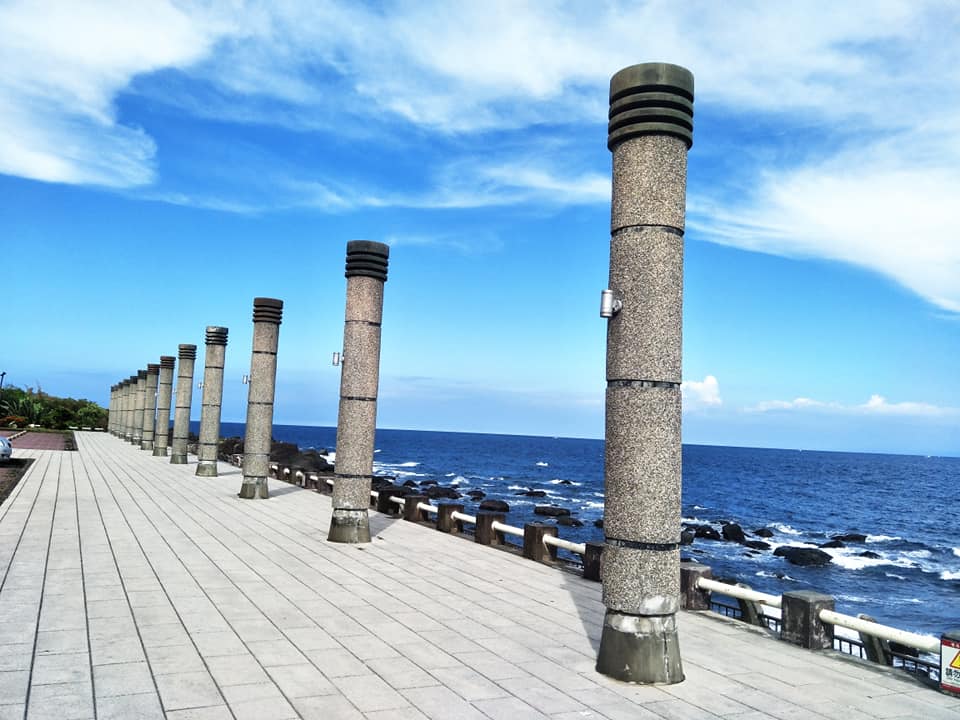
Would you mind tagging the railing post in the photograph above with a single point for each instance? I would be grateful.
(877, 650)
(410, 510)
(384, 504)
(484, 532)
(692, 597)
(591, 561)
(445, 520)
(533, 547)
(800, 623)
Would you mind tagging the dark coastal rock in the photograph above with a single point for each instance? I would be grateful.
(686, 537)
(598, 523)
(808, 557)
(396, 490)
(533, 493)
(705, 531)
(756, 544)
(313, 461)
(495, 506)
(550, 511)
(234, 446)
(733, 533)
(427, 483)
(566, 482)
(409, 483)
(569, 521)
(850, 537)
(435, 492)
(832, 544)
(476, 494)
(763, 532)
(282, 453)
(871, 554)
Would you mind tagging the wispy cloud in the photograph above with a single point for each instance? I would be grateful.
(876, 405)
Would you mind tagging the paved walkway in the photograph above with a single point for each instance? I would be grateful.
(132, 589)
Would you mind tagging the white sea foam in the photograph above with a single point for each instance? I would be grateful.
(558, 481)
(894, 576)
(459, 480)
(852, 598)
(699, 507)
(596, 494)
(882, 538)
(518, 487)
(950, 575)
(377, 450)
(332, 456)
(919, 554)
(592, 505)
(764, 573)
(786, 529)
(542, 464)
(956, 551)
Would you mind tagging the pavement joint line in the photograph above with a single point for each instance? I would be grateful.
(43, 590)
(83, 585)
(26, 521)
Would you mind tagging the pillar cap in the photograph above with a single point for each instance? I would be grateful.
(141, 374)
(187, 352)
(267, 310)
(651, 99)
(367, 258)
(216, 335)
(153, 369)
(167, 361)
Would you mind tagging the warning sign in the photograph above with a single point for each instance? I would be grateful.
(950, 665)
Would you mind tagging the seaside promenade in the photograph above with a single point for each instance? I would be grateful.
(130, 588)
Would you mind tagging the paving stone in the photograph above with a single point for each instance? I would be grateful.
(144, 706)
(188, 690)
(123, 679)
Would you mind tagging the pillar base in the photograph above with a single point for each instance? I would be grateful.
(159, 451)
(146, 444)
(252, 488)
(349, 526)
(640, 649)
(207, 469)
(178, 459)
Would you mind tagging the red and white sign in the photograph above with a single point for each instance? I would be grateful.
(950, 665)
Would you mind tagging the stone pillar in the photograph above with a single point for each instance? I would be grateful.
(800, 621)
(139, 400)
(164, 394)
(650, 131)
(126, 414)
(366, 273)
(110, 408)
(212, 398)
(181, 414)
(150, 407)
(267, 315)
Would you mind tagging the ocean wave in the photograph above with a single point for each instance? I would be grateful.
(956, 551)
(410, 463)
(919, 554)
(699, 507)
(894, 576)
(882, 538)
(778, 576)
(785, 529)
(449, 474)
(459, 480)
(518, 487)
(603, 495)
(950, 575)
(542, 464)
(592, 505)
(558, 481)
(852, 598)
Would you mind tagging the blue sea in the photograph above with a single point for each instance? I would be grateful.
(905, 505)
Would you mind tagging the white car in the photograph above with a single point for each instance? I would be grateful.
(6, 450)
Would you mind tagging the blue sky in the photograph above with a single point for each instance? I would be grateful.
(161, 164)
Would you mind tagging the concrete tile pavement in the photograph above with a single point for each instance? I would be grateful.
(132, 587)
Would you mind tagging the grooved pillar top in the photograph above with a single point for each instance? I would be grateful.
(216, 335)
(153, 369)
(651, 99)
(367, 258)
(267, 310)
(141, 374)
(167, 361)
(188, 352)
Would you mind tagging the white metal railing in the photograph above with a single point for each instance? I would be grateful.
(427, 507)
(579, 548)
(884, 632)
(506, 529)
(457, 515)
(741, 593)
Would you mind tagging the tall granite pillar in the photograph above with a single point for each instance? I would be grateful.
(164, 395)
(267, 314)
(150, 406)
(131, 407)
(650, 131)
(111, 409)
(212, 398)
(366, 273)
(139, 400)
(181, 414)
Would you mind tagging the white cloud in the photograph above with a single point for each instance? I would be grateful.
(876, 405)
(701, 394)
